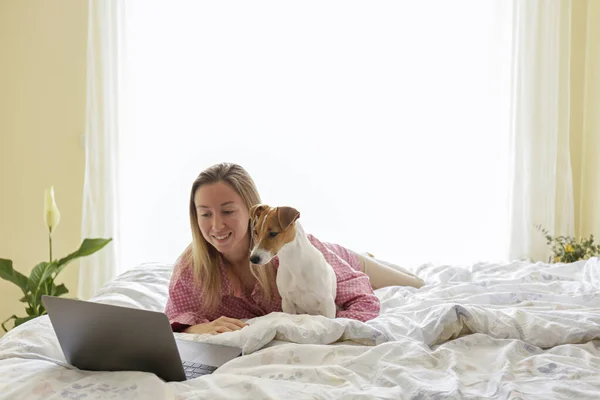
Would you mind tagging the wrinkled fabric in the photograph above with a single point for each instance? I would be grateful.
(487, 331)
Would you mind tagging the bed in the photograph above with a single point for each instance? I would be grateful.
(485, 331)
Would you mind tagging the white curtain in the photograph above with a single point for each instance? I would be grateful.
(105, 106)
(385, 123)
(542, 189)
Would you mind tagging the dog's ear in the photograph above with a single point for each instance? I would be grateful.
(256, 210)
(287, 215)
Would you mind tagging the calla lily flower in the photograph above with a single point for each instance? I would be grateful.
(51, 213)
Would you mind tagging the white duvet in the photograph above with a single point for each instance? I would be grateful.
(488, 331)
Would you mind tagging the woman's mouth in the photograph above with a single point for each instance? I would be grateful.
(222, 238)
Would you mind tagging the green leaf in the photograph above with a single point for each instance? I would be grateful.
(88, 247)
(7, 272)
(59, 290)
(19, 321)
(39, 275)
(6, 320)
(40, 282)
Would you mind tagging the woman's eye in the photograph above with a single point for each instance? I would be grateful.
(228, 212)
(204, 215)
(273, 234)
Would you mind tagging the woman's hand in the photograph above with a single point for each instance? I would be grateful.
(219, 325)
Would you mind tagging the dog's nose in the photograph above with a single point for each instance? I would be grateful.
(254, 259)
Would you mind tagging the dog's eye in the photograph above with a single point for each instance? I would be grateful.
(273, 234)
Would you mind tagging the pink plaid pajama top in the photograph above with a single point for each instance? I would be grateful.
(354, 297)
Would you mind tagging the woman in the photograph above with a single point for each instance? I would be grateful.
(214, 285)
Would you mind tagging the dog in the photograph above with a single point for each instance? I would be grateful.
(305, 280)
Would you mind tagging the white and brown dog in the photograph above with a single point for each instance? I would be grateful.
(306, 282)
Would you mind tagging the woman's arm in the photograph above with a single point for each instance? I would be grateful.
(185, 309)
(184, 306)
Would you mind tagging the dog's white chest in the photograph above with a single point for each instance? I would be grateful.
(307, 287)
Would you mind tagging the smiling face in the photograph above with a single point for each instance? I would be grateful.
(223, 219)
(272, 228)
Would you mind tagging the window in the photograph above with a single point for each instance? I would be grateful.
(384, 123)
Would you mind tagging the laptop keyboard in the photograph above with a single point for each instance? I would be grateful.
(194, 370)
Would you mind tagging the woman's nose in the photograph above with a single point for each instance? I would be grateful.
(217, 222)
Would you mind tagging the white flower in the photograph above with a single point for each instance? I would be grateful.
(51, 213)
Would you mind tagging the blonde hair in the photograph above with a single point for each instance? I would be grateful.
(206, 258)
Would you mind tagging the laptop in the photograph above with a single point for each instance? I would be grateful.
(104, 337)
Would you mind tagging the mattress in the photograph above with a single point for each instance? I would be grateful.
(484, 331)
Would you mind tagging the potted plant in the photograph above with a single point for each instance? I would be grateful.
(567, 249)
(42, 279)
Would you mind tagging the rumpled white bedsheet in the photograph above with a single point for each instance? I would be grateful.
(486, 331)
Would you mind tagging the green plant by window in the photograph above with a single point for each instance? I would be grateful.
(568, 249)
(41, 280)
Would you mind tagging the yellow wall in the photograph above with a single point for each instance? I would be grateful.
(42, 118)
(590, 178)
(585, 118)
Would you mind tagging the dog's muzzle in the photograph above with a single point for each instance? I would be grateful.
(255, 260)
(260, 257)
